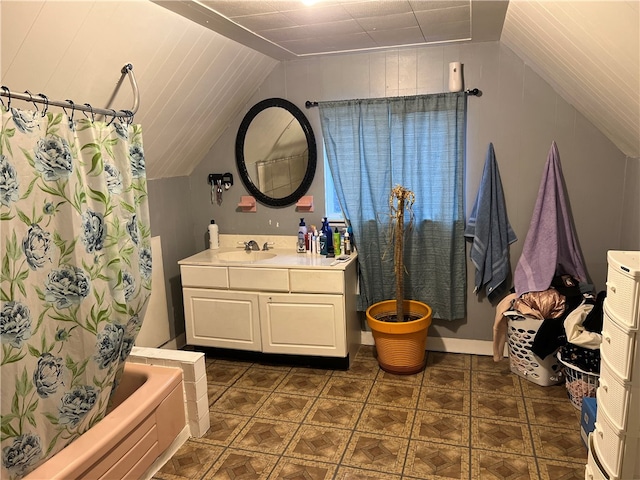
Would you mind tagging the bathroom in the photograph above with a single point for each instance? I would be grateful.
(200, 84)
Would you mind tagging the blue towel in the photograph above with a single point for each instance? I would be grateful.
(489, 228)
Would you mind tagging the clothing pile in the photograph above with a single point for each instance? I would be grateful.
(570, 323)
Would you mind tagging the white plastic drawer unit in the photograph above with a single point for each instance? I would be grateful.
(623, 287)
(618, 349)
(616, 397)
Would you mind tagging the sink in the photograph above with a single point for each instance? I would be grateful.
(244, 256)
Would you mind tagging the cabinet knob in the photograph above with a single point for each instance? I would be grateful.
(604, 386)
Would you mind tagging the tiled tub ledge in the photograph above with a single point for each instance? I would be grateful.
(196, 402)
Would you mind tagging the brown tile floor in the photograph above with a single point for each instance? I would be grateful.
(464, 417)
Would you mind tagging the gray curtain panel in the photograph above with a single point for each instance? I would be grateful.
(418, 142)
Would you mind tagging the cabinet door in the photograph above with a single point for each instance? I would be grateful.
(225, 319)
(303, 324)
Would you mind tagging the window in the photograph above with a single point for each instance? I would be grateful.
(332, 204)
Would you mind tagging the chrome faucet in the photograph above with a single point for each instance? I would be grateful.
(265, 247)
(251, 245)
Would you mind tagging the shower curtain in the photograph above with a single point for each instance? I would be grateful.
(75, 275)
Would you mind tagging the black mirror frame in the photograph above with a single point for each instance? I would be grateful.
(311, 143)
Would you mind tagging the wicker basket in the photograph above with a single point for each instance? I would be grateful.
(579, 383)
(522, 361)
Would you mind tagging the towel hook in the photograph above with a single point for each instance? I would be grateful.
(6, 89)
(46, 103)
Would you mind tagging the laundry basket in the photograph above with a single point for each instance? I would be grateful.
(523, 362)
(580, 384)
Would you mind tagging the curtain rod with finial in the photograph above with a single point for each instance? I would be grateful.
(41, 98)
(473, 91)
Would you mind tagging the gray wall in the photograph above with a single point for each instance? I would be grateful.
(171, 219)
(518, 111)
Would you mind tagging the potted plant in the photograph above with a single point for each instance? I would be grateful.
(400, 326)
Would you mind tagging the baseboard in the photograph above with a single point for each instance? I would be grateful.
(450, 345)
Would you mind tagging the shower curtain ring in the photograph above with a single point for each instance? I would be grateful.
(129, 116)
(32, 100)
(73, 112)
(115, 114)
(46, 103)
(93, 116)
(6, 89)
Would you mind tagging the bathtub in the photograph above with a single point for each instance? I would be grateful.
(146, 416)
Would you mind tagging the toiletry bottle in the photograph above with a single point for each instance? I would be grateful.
(316, 242)
(326, 229)
(302, 232)
(347, 243)
(214, 236)
(323, 242)
(352, 240)
(342, 244)
(336, 241)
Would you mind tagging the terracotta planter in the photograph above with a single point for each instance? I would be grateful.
(400, 345)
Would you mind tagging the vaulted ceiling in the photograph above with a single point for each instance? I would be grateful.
(195, 81)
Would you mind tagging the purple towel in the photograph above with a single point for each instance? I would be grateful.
(551, 246)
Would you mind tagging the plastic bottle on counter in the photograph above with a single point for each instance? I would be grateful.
(302, 232)
(347, 243)
(214, 236)
(336, 241)
(323, 242)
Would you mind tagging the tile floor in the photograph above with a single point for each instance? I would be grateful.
(463, 417)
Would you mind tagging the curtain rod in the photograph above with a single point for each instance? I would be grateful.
(41, 98)
(473, 91)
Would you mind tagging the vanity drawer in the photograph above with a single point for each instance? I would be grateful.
(206, 277)
(268, 279)
(316, 281)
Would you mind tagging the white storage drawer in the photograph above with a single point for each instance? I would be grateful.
(206, 277)
(612, 446)
(618, 348)
(608, 444)
(316, 281)
(623, 287)
(263, 279)
(616, 397)
(594, 470)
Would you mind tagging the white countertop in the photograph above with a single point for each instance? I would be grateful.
(284, 258)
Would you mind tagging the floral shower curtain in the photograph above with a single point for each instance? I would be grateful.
(75, 275)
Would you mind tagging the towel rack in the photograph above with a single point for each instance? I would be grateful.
(40, 98)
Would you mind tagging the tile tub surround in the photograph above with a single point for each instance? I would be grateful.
(464, 417)
(194, 381)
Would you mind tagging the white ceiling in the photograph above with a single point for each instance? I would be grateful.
(196, 81)
(286, 29)
(587, 50)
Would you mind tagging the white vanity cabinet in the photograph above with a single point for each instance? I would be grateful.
(297, 304)
(614, 445)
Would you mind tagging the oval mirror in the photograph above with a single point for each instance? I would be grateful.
(276, 152)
